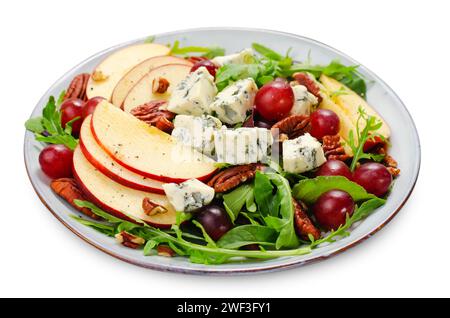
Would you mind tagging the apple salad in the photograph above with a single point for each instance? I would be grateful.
(192, 152)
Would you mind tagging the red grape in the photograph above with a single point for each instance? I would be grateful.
(274, 100)
(332, 207)
(334, 168)
(215, 221)
(210, 66)
(71, 109)
(56, 161)
(89, 106)
(324, 122)
(374, 177)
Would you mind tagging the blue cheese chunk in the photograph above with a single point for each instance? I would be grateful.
(242, 145)
(233, 103)
(243, 57)
(197, 132)
(302, 154)
(304, 101)
(194, 94)
(189, 195)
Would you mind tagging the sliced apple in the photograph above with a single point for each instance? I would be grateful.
(114, 198)
(145, 149)
(142, 93)
(350, 102)
(103, 162)
(127, 82)
(107, 74)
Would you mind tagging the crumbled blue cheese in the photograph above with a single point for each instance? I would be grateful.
(243, 57)
(197, 132)
(188, 196)
(194, 94)
(233, 103)
(302, 154)
(304, 101)
(243, 145)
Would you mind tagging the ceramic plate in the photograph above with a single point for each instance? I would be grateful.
(405, 148)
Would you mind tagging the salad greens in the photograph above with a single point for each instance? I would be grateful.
(207, 52)
(372, 124)
(309, 190)
(272, 64)
(235, 200)
(47, 128)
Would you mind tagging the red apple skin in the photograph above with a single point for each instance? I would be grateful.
(107, 208)
(143, 173)
(115, 177)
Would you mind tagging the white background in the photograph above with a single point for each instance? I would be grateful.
(404, 42)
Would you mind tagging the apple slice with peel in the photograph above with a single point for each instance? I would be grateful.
(114, 198)
(107, 74)
(350, 102)
(145, 149)
(142, 93)
(127, 82)
(103, 162)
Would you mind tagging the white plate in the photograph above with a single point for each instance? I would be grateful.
(405, 149)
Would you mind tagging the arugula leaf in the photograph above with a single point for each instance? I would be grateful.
(265, 51)
(94, 209)
(361, 212)
(309, 190)
(208, 239)
(235, 200)
(369, 131)
(246, 235)
(150, 39)
(101, 227)
(264, 195)
(182, 217)
(234, 72)
(208, 52)
(48, 128)
(35, 125)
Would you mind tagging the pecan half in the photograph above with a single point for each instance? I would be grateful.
(303, 224)
(160, 85)
(68, 189)
(129, 240)
(77, 88)
(309, 83)
(164, 250)
(153, 114)
(152, 208)
(293, 126)
(333, 149)
(230, 178)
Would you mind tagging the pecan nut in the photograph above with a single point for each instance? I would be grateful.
(309, 83)
(303, 224)
(68, 189)
(230, 178)
(333, 149)
(77, 88)
(164, 250)
(152, 208)
(160, 85)
(153, 114)
(129, 240)
(292, 127)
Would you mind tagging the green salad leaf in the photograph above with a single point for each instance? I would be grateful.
(309, 190)
(274, 200)
(208, 52)
(180, 241)
(372, 124)
(47, 128)
(235, 200)
(248, 234)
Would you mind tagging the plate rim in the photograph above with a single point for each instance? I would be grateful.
(211, 270)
